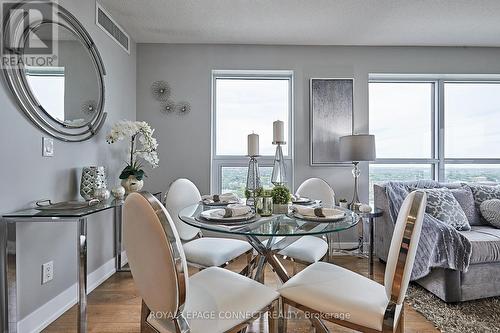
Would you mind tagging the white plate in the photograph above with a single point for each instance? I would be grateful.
(219, 203)
(334, 218)
(302, 201)
(218, 216)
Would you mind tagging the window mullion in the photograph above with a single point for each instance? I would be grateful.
(440, 131)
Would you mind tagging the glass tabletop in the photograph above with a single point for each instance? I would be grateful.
(275, 225)
(68, 213)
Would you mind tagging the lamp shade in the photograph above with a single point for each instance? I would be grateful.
(357, 148)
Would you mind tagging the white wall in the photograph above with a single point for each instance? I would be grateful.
(27, 176)
(185, 141)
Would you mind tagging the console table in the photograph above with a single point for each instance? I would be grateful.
(8, 315)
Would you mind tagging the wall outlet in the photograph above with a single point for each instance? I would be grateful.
(47, 272)
(47, 147)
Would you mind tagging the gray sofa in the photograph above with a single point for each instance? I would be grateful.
(483, 276)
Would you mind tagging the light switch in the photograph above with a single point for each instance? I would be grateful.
(47, 147)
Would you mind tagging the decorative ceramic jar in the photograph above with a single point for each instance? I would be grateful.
(118, 192)
(93, 177)
(264, 206)
(131, 184)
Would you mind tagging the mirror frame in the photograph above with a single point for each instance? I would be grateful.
(18, 84)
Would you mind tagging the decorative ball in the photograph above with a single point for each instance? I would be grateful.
(118, 192)
(364, 208)
(101, 193)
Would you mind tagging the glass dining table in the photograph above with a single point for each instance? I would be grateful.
(268, 235)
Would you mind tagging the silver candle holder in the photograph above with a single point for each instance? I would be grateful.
(253, 180)
(278, 176)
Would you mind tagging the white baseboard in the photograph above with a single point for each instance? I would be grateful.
(53, 309)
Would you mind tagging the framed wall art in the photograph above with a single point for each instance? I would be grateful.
(331, 116)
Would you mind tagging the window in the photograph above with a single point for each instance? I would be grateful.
(436, 128)
(47, 83)
(402, 119)
(247, 102)
(472, 120)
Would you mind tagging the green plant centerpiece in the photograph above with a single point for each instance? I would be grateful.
(142, 146)
(281, 198)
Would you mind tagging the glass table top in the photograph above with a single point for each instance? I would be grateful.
(73, 213)
(275, 225)
(31, 213)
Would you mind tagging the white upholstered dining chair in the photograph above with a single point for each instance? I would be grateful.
(201, 251)
(310, 249)
(354, 301)
(214, 300)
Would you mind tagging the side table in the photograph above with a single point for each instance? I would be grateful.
(370, 217)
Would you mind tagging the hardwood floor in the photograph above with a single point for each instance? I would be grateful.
(115, 307)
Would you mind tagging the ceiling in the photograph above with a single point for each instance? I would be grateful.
(311, 22)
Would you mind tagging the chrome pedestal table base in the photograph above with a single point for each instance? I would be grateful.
(268, 254)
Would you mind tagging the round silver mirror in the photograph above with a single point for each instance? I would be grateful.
(56, 72)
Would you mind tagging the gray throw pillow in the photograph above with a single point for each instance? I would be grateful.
(491, 211)
(442, 205)
(482, 193)
(465, 199)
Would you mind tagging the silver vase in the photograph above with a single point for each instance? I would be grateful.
(93, 177)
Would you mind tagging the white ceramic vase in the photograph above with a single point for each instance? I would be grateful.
(131, 184)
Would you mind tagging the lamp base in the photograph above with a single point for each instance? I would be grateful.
(355, 204)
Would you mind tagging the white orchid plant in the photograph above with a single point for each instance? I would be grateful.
(142, 145)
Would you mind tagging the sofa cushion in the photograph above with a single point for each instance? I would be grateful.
(485, 241)
(482, 193)
(465, 199)
(442, 205)
(490, 209)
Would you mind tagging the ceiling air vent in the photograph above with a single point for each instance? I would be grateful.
(111, 28)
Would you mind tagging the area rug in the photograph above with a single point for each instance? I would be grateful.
(472, 316)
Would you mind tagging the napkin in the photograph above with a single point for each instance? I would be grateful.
(236, 210)
(226, 197)
(316, 212)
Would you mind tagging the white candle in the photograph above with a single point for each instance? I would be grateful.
(253, 144)
(278, 131)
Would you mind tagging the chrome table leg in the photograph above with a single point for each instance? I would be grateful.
(8, 302)
(267, 255)
(371, 221)
(82, 275)
(118, 239)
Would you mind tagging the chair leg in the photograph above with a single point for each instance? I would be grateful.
(283, 316)
(145, 327)
(294, 266)
(401, 323)
(272, 317)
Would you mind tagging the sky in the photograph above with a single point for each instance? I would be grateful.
(246, 106)
(400, 118)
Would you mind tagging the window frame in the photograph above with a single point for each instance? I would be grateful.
(217, 162)
(438, 160)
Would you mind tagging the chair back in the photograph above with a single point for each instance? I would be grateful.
(317, 189)
(155, 254)
(181, 194)
(404, 245)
